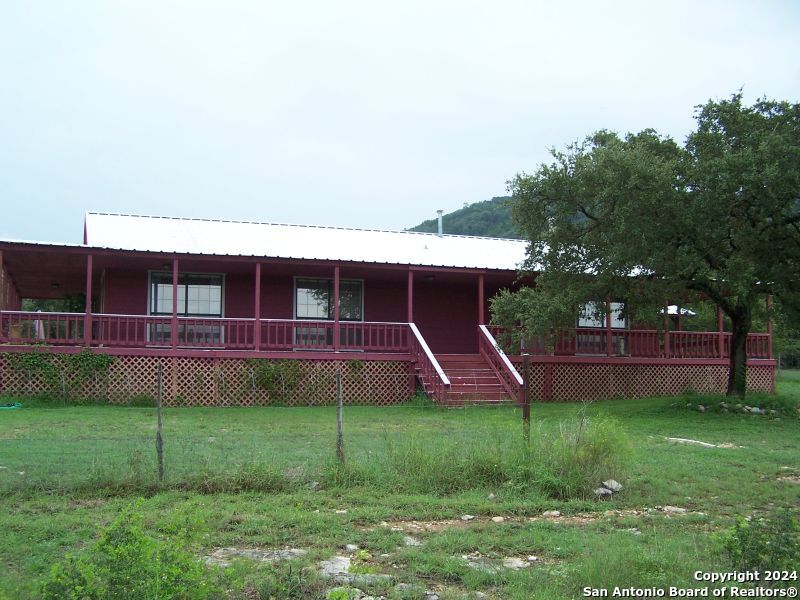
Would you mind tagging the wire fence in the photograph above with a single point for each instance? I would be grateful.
(109, 449)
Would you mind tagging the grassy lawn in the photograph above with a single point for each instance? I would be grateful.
(263, 478)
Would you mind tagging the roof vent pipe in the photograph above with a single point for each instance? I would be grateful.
(439, 212)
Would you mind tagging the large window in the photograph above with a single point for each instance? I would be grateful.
(593, 315)
(314, 300)
(199, 295)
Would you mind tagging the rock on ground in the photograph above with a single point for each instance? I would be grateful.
(223, 556)
(673, 510)
(335, 565)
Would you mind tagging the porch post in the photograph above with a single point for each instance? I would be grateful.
(481, 319)
(410, 289)
(257, 310)
(336, 309)
(769, 325)
(721, 333)
(87, 317)
(2, 282)
(609, 339)
(666, 330)
(174, 321)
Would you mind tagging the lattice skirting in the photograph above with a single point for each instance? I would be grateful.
(221, 382)
(594, 381)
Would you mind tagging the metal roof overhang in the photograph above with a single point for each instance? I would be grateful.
(47, 270)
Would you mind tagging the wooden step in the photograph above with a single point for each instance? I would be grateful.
(472, 381)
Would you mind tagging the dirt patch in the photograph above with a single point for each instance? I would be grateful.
(790, 478)
(702, 444)
(579, 519)
(223, 557)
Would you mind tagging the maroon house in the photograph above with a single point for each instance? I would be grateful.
(390, 309)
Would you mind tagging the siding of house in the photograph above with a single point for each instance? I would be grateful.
(446, 312)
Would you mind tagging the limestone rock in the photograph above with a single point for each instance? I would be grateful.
(335, 565)
(224, 556)
(515, 563)
(674, 510)
(551, 514)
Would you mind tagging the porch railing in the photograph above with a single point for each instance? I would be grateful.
(42, 328)
(639, 343)
(431, 374)
(142, 331)
(502, 367)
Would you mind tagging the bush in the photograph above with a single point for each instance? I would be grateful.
(567, 463)
(573, 461)
(127, 563)
(764, 544)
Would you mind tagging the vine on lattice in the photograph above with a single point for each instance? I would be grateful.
(84, 373)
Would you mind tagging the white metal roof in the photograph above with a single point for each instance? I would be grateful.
(273, 240)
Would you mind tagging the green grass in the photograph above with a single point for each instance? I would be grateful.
(240, 477)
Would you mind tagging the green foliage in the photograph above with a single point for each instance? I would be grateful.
(278, 377)
(87, 365)
(566, 463)
(355, 366)
(34, 364)
(645, 219)
(764, 544)
(70, 304)
(285, 581)
(127, 563)
(491, 218)
(61, 373)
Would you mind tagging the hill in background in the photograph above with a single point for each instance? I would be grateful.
(490, 218)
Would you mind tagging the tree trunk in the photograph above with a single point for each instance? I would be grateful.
(741, 320)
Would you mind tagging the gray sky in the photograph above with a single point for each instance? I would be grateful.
(364, 114)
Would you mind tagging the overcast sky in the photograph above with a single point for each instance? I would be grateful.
(365, 114)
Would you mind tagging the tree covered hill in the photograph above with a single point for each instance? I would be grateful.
(491, 218)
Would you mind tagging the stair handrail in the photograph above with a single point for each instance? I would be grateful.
(430, 367)
(502, 367)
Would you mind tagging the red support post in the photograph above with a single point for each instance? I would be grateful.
(174, 321)
(481, 316)
(720, 333)
(609, 338)
(769, 325)
(336, 340)
(2, 282)
(87, 317)
(667, 349)
(257, 310)
(410, 289)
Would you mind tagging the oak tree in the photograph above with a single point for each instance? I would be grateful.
(644, 218)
